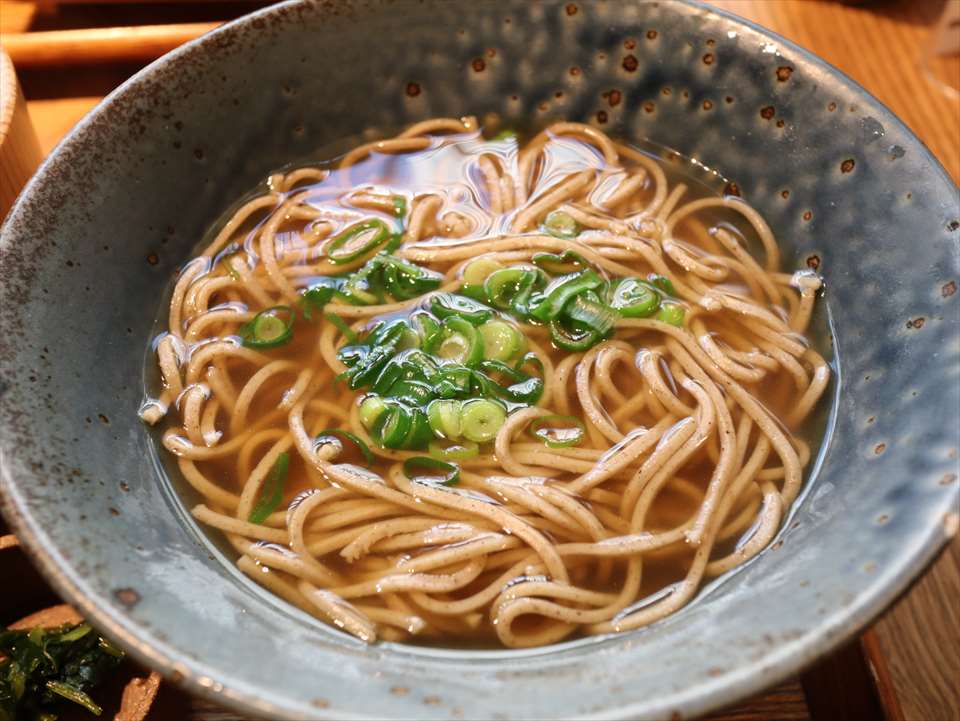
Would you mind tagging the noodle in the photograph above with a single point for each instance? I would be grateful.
(685, 462)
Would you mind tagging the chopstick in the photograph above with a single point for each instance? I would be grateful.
(95, 45)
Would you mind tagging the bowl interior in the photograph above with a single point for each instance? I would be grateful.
(94, 240)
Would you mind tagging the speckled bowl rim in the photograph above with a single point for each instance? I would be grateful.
(779, 662)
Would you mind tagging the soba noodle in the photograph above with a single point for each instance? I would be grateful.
(677, 461)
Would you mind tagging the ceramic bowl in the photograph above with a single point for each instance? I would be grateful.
(94, 239)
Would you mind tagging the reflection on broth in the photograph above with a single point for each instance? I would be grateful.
(466, 389)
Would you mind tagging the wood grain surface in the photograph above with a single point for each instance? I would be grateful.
(913, 652)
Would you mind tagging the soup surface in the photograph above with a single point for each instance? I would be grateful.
(466, 389)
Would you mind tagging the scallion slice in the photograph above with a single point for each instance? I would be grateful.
(559, 264)
(556, 431)
(590, 313)
(570, 340)
(371, 408)
(272, 492)
(268, 329)
(448, 474)
(476, 272)
(444, 417)
(672, 313)
(337, 435)
(343, 327)
(460, 342)
(633, 298)
(558, 293)
(481, 419)
(501, 340)
(447, 305)
(357, 240)
(560, 224)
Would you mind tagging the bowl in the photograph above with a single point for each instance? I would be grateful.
(94, 239)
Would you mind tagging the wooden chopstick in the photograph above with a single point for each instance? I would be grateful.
(97, 45)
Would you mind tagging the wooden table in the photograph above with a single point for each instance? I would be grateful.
(907, 665)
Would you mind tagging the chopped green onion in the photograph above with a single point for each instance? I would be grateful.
(555, 296)
(405, 280)
(566, 262)
(452, 381)
(590, 313)
(420, 434)
(481, 419)
(476, 272)
(633, 298)
(528, 358)
(546, 428)
(336, 435)
(523, 388)
(505, 134)
(535, 281)
(399, 206)
(503, 285)
(461, 343)
(445, 305)
(314, 298)
(427, 328)
(561, 225)
(357, 240)
(501, 340)
(663, 283)
(574, 341)
(370, 410)
(343, 327)
(268, 329)
(672, 313)
(444, 418)
(393, 427)
(272, 492)
(450, 473)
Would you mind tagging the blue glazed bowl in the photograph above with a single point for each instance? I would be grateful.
(88, 250)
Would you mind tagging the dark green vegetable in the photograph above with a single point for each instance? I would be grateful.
(402, 426)
(555, 431)
(40, 669)
(523, 389)
(561, 225)
(336, 435)
(449, 473)
(268, 329)
(399, 206)
(572, 340)
(314, 298)
(664, 284)
(586, 311)
(566, 262)
(357, 240)
(550, 302)
(343, 327)
(633, 298)
(272, 492)
(445, 305)
(503, 285)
